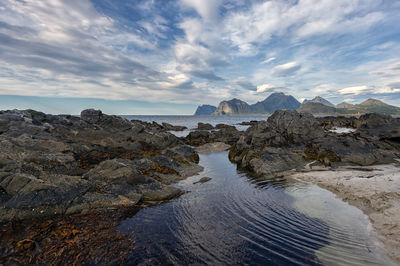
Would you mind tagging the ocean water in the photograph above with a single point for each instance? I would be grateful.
(235, 219)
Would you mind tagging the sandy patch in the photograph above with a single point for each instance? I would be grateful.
(375, 190)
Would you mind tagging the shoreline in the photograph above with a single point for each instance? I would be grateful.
(373, 190)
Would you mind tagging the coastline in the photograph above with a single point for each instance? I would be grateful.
(373, 189)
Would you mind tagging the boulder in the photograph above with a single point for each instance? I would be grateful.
(170, 127)
(204, 126)
(91, 116)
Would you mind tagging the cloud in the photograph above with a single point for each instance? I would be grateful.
(356, 90)
(287, 69)
(244, 83)
(207, 9)
(265, 87)
(268, 60)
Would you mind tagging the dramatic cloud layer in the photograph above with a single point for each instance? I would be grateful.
(200, 51)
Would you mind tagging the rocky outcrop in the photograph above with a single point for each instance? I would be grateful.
(65, 164)
(228, 135)
(289, 140)
(205, 109)
(204, 126)
(170, 127)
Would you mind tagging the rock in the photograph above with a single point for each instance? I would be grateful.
(213, 147)
(330, 122)
(380, 126)
(57, 164)
(289, 140)
(203, 180)
(220, 126)
(166, 193)
(170, 127)
(91, 116)
(204, 126)
(117, 171)
(197, 138)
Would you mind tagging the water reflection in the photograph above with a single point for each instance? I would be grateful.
(232, 220)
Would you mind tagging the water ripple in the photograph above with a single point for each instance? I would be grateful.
(236, 220)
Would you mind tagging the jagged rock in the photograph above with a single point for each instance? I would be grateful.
(91, 116)
(380, 126)
(167, 126)
(57, 164)
(289, 140)
(204, 126)
(330, 122)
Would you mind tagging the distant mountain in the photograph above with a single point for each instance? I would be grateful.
(320, 100)
(317, 109)
(374, 106)
(344, 105)
(272, 103)
(368, 106)
(205, 109)
(276, 101)
(234, 106)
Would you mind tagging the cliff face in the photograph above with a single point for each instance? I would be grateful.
(234, 106)
(205, 109)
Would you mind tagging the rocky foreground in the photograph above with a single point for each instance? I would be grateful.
(61, 164)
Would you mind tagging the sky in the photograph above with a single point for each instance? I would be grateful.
(167, 57)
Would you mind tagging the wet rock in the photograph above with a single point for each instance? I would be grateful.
(166, 193)
(203, 180)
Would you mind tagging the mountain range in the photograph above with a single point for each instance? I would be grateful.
(272, 103)
(316, 106)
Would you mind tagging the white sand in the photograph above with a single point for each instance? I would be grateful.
(376, 193)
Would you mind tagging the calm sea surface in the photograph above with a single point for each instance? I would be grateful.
(237, 220)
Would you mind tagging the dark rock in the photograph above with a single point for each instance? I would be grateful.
(91, 116)
(330, 122)
(220, 126)
(57, 164)
(204, 126)
(170, 127)
(203, 180)
(288, 140)
(380, 126)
